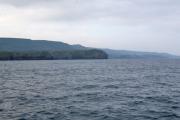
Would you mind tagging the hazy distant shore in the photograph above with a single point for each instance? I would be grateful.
(27, 49)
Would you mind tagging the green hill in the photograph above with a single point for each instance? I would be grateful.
(26, 49)
(18, 48)
(18, 44)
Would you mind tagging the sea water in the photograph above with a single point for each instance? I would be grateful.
(90, 90)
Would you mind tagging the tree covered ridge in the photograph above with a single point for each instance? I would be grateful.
(53, 55)
(19, 44)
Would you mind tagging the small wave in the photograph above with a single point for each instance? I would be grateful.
(111, 86)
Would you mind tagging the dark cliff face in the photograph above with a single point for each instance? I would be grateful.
(54, 55)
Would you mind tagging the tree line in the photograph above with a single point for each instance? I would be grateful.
(53, 55)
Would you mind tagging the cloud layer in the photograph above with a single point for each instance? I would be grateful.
(151, 25)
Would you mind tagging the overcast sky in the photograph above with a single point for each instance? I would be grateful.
(142, 25)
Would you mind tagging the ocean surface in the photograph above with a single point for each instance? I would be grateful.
(90, 90)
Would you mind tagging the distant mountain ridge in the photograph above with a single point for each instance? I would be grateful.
(24, 45)
(19, 44)
(126, 54)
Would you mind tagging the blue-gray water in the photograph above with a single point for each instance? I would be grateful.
(90, 90)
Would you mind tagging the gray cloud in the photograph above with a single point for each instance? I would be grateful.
(150, 25)
(23, 2)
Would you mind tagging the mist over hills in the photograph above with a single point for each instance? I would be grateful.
(26, 45)
(127, 54)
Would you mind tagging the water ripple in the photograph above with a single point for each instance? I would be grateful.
(90, 90)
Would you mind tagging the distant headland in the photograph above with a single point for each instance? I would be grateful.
(27, 49)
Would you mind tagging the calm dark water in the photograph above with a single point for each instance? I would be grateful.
(90, 90)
